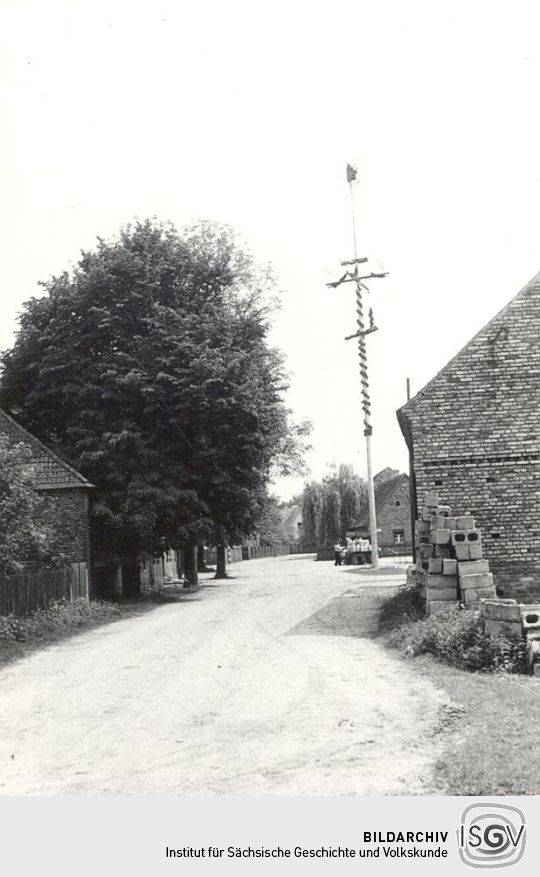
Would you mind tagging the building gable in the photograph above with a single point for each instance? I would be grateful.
(383, 496)
(488, 395)
(51, 473)
(473, 435)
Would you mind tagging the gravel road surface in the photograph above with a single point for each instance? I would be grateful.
(265, 684)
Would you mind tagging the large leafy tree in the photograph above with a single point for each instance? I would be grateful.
(148, 368)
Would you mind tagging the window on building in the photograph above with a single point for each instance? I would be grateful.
(399, 536)
(398, 502)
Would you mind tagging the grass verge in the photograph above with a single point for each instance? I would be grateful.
(453, 636)
(490, 736)
(22, 635)
(491, 740)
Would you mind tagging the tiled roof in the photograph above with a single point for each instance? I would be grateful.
(290, 516)
(51, 472)
(382, 494)
(516, 311)
(486, 400)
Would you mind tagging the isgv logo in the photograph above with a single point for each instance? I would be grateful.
(491, 835)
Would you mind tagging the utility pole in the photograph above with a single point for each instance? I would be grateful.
(352, 275)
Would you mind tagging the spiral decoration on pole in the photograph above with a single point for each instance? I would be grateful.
(362, 357)
(352, 275)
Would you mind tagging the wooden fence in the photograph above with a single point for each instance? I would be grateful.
(233, 555)
(156, 573)
(256, 551)
(25, 592)
(169, 568)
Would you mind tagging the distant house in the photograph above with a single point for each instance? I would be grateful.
(291, 523)
(393, 512)
(67, 489)
(473, 435)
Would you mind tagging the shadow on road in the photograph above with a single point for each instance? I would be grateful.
(383, 572)
(353, 613)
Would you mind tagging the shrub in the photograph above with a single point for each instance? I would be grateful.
(23, 512)
(458, 638)
(405, 604)
(58, 620)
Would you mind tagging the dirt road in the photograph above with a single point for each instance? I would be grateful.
(267, 683)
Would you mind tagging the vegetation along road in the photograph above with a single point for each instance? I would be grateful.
(267, 683)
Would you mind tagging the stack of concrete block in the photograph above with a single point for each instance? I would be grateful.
(449, 558)
(475, 582)
(512, 619)
(475, 579)
(437, 569)
(502, 617)
(530, 620)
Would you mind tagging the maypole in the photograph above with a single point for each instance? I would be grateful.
(352, 275)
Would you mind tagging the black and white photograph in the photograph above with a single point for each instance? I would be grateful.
(270, 429)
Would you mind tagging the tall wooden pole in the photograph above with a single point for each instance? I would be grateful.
(366, 400)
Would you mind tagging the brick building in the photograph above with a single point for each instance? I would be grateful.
(67, 490)
(393, 511)
(473, 435)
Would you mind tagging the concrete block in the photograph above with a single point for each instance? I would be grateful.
(442, 536)
(442, 551)
(451, 523)
(533, 636)
(438, 594)
(441, 522)
(435, 565)
(530, 617)
(472, 567)
(449, 567)
(533, 656)
(496, 611)
(461, 550)
(472, 597)
(473, 536)
(435, 606)
(425, 550)
(421, 528)
(429, 513)
(485, 593)
(458, 537)
(437, 580)
(424, 565)
(475, 550)
(476, 581)
(465, 522)
(431, 499)
(506, 628)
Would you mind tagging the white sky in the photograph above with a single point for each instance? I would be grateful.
(247, 113)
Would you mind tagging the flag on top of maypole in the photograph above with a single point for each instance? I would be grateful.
(351, 173)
